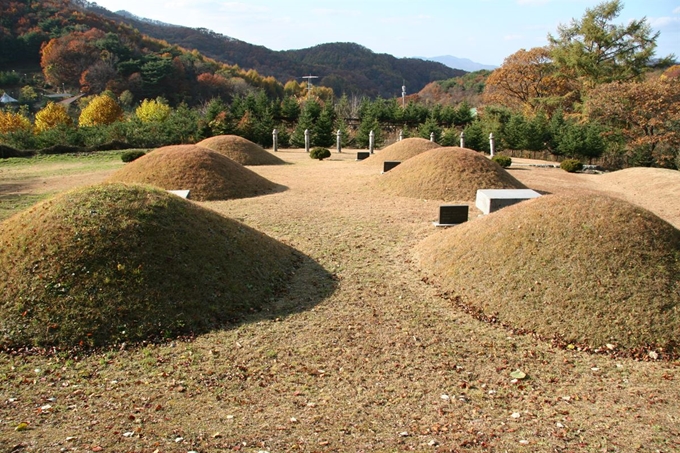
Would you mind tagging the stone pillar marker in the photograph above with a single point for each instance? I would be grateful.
(371, 141)
(307, 140)
(401, 135)
(275, 139)
(462, 139)
(338, 140)
(491, 143)
(432, 137)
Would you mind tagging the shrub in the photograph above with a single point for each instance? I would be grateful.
(571, 165)
(503, 161)
(319, 153)
(129, 156)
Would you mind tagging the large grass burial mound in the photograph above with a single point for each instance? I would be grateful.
(401, 151)
(113, 263)
(207, 174)
(240, 150)
(448, 173)
(582, 267)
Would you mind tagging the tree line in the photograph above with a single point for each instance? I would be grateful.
(594, 92)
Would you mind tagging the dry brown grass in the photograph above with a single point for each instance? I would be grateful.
(240, 150)
(583, 267)
(449, 174)
(401, 151)
(375, 360)
(207, 174)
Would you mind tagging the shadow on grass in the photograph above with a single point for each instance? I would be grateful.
(309, 285)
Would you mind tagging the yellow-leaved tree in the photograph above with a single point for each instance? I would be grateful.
(53, 115)
(101, 110)
(153, 110)
(12, 122)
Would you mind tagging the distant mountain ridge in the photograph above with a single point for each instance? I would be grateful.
(346, 67)
(464, 64)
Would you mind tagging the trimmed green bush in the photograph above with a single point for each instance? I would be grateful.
(129, 156)
(319, 153)
(503, 161)
(571, 165)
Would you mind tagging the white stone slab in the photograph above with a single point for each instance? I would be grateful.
(180, 193)
(491, 200)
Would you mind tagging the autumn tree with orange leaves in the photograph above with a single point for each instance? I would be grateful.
(527, 82)
(64, 59)
(646, 113)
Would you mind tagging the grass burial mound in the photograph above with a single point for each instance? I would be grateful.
(114, 263)
(582, 267)
(207, 174)
(449, 173)
(642, 178)
(240, 150)
(401, 151)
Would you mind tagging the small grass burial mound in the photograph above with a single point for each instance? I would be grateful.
(240, 150)
(581, 267)
(401, 151)
(207, 174)
(448, 173)
(113, 263)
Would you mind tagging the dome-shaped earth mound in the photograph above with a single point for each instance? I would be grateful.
(240, 150)
(581, 267)
(656, 189)
(113, 263)
(207, 174)
(401, 151)
(449, 173)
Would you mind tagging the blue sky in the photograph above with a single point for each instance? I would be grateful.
(485, 31)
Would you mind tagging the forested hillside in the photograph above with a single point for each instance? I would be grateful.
(346, 67)
(82, 51)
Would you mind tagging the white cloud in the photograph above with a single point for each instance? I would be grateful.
(532, 2)
(512, 37)
(664, 22)
(676, 10)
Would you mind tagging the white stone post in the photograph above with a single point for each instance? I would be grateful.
(462, 139)
(491, 143)
(307, 140)
(371, 141)
(275, 139)
(401, 135)
(432, 137)
(338, 140)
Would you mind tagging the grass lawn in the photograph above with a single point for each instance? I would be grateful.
(374, 358)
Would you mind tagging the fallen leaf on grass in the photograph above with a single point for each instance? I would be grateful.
(518, 374)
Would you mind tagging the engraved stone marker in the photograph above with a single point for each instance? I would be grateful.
(452, 214)
(389, 165)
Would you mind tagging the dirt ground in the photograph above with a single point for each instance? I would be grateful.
(365, 356)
